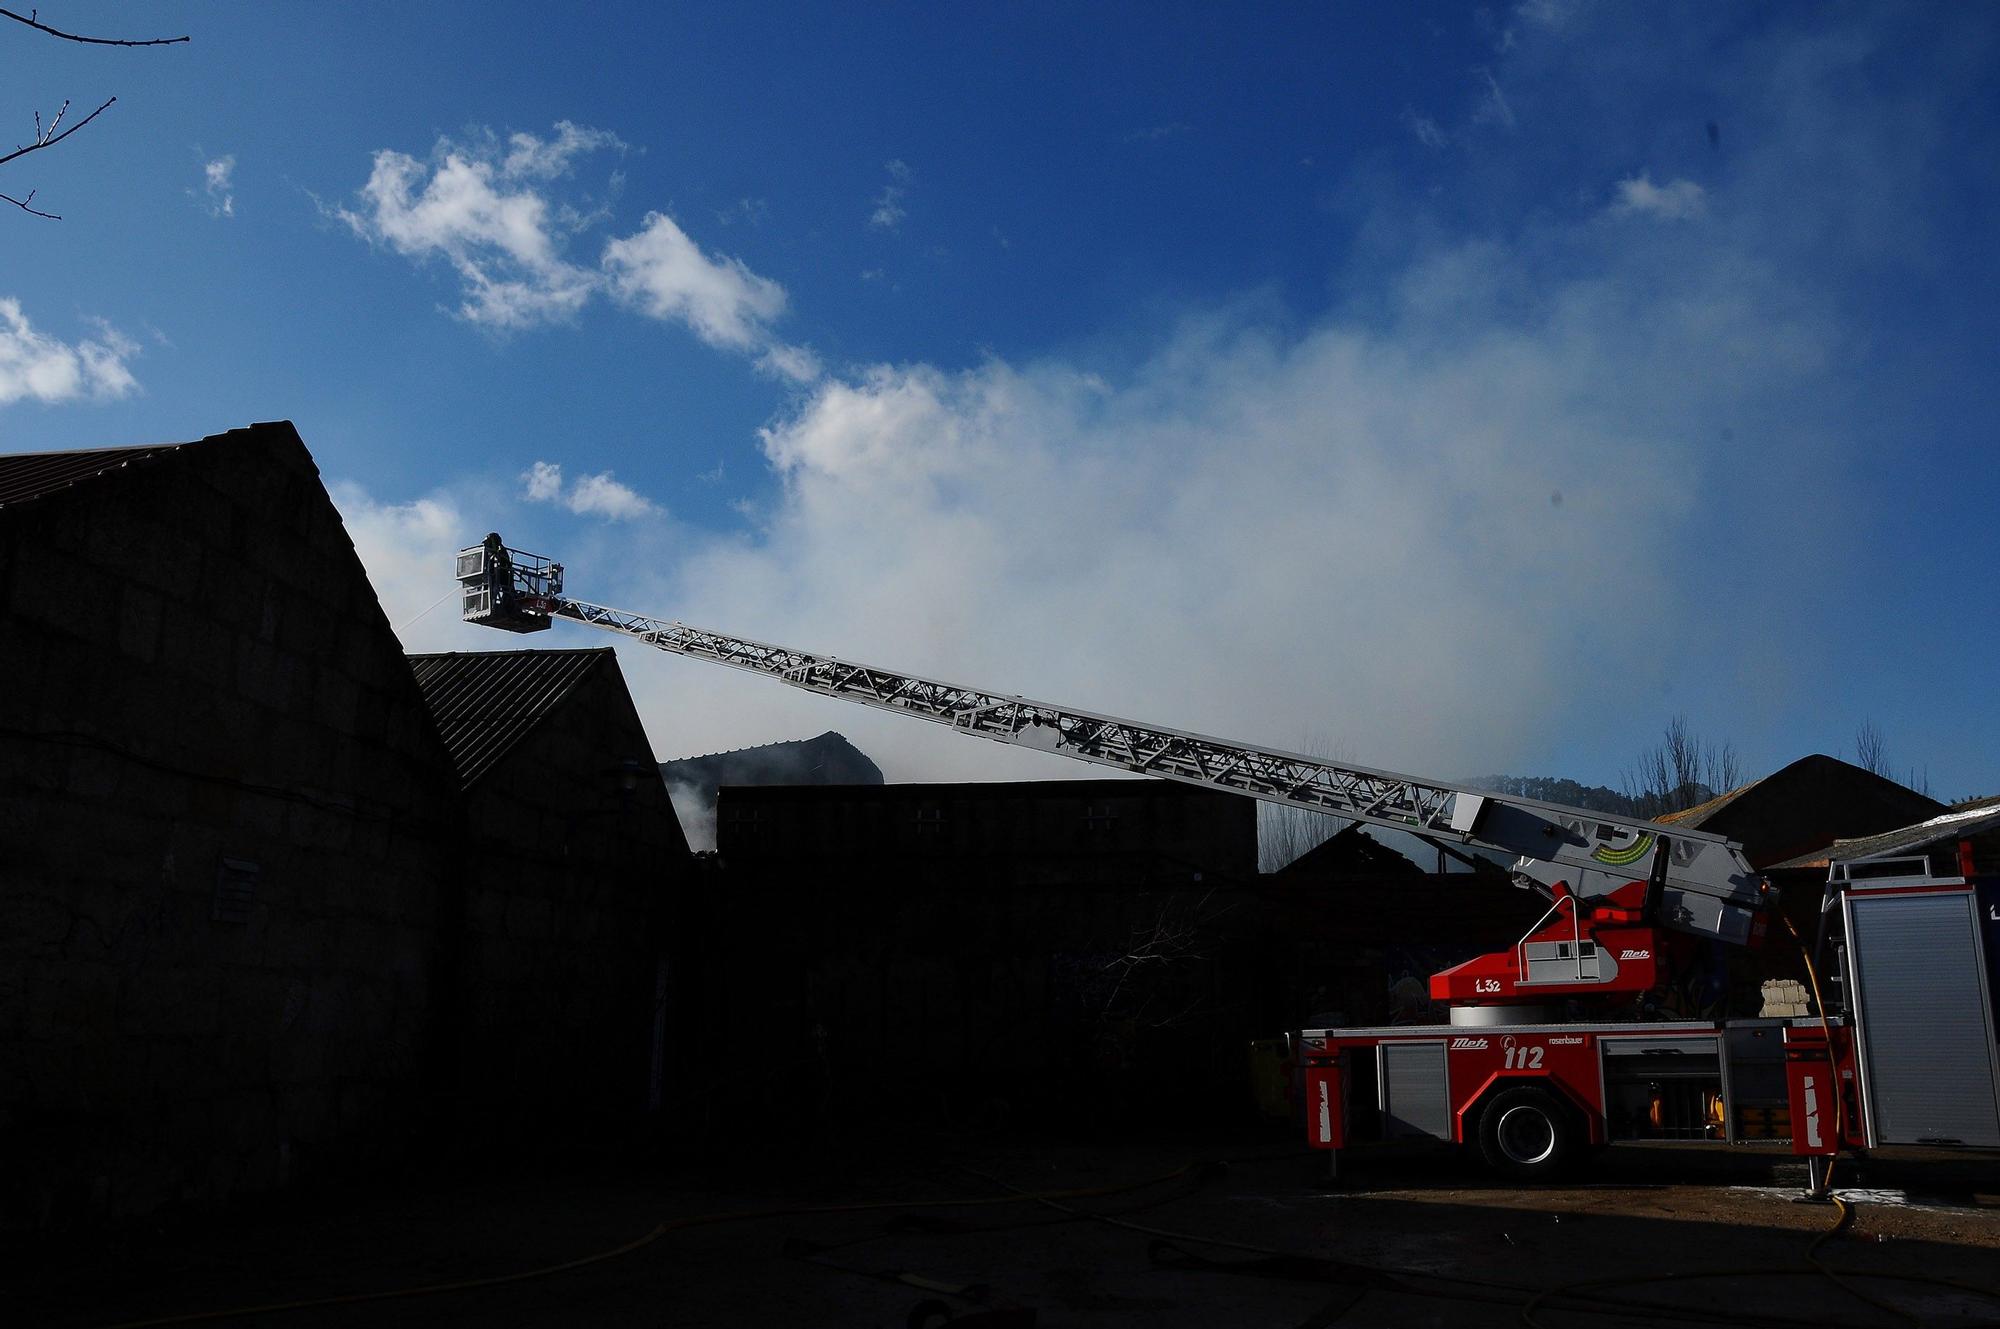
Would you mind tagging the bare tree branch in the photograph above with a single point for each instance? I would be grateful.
(30, 19)
(1681, 771)
(49, 138)
(1871, 749)
(22, 204)
(55, 133)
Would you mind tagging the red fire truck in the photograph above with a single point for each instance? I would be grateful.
(1907, 970)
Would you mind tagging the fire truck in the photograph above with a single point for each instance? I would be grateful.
(1557, 1044)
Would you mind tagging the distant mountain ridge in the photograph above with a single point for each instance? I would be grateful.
(1553, 789)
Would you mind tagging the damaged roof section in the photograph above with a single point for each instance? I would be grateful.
(486, 702)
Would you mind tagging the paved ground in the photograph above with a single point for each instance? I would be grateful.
(1403, 1242)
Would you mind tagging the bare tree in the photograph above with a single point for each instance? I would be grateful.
(47, 136)
(1681, 771)
(1871, 749)
(1285, 833)
(1146, 981)
(1871, 753)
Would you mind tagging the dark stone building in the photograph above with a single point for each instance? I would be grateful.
(960, 951)
(571, 857)
(1001, 835)
(224, 818)
(262, 917)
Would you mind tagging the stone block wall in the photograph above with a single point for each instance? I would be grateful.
(575, 859)
(1785, 997)
(224, 818)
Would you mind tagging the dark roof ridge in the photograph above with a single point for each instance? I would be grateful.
(759, 747)
(1135, 780)
(1701, 812)
(27, 476)
(103, 448)
(518, 650)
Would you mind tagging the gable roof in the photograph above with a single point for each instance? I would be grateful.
(1804, 807)
(486, 702)
(1352, 852)
(31, 475)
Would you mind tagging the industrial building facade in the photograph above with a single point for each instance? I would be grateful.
(237, 914)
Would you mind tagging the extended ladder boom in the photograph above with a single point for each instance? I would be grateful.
(1701, 882)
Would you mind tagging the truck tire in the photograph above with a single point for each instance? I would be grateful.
(1527, 1134)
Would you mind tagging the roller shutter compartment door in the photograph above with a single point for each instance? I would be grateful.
(1926, 1025)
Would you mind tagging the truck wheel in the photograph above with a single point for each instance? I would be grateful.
(1527, 1134)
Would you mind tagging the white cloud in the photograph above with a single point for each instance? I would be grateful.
(589, 496)
(665, 275)
(408, 550)
(793, 362)
(529, 157)
(750, 211)
(1427, 131)
(35, 366)
(542, 482)
(1493, 107)
(1257, 530)
(218, 186)
(1678, 200)
(889, 210)
(1252, 534)
(483, 207)
(1553, 15)
(601, 496)
(474, 212)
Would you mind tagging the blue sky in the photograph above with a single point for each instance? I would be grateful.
(1454, 388)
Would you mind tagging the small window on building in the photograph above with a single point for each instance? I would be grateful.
(746, 822)
(235, 890)
(1098, 817)
(930, 822)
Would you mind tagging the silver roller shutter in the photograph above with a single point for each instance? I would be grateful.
(1926, 1028)
(1415, 1096)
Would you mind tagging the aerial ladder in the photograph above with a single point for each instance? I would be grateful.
(1555, 1044)
(1620, 890)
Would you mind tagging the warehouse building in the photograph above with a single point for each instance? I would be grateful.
(224, 814)
(262, 917)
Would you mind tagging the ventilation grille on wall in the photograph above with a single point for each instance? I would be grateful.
(235, 890)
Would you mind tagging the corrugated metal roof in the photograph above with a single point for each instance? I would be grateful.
(1979, 817)
(31, 475)
(485, 702)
